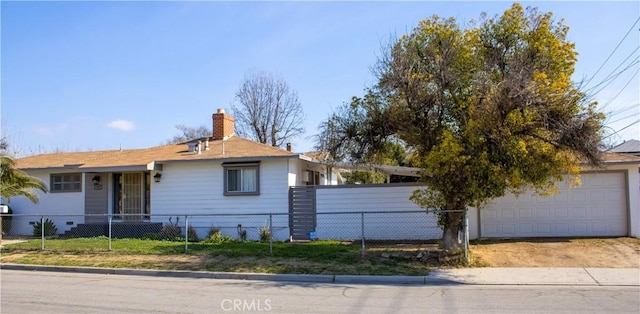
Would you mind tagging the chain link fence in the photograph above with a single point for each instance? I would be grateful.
(110, 233)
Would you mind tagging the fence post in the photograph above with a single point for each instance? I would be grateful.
(270, 233)
(362, 233)
(110, 221)
(42, 233)
(186, 233)
(466, 235)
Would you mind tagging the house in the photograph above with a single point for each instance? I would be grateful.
(627, 147)
(223, 173)
(224, 181)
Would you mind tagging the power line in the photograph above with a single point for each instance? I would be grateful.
(624, 128)
(613, 72)
(622, 119)
(610, 80)
(625, 109)
(614, 50)
(621, 90)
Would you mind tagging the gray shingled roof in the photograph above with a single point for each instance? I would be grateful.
(629, 147)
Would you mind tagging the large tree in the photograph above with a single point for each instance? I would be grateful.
(267, 110)
(486, 109)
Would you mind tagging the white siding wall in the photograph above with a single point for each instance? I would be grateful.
(396, 198)
(50, 204)
(196, 188)
(294, 172)
(377, 198)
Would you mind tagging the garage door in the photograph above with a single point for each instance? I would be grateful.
(598, 207)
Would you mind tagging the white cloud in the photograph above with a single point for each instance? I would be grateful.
(123, 125)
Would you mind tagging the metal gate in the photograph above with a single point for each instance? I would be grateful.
(302, 212)
(132, 196)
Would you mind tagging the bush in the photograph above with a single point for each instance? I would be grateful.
(265, 234)
(50, 228)
(213, 231)
(193, 234)
(170, 231)
(215, 236)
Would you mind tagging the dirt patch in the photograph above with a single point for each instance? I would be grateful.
(552, 252)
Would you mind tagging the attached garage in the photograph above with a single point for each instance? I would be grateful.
(598, 207)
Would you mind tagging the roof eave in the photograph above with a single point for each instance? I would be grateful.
(233, 159)
(90, 169)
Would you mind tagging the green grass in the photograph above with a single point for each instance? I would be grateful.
(318, 251)
(318, 257)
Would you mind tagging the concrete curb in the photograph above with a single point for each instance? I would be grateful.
(462, 276)
(398, 280)
(303, 278)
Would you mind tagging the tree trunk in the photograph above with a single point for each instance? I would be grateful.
(451, 229)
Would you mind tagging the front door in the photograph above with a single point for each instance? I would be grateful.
(132, 196)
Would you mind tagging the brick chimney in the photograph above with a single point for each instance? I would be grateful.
(223, 125)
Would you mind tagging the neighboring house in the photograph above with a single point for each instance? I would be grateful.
(627, 147)
(219, 174)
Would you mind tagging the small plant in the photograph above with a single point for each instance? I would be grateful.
(265, 234)
(193, 234)
(215, 236)
(171, 231)
(214, 231)
(50, 228)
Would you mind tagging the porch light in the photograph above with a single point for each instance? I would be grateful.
(157, 177)
(96, 180)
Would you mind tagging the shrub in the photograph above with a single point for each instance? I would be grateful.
(265, 234)
(193, 234)
(171, 231)
(49, 228)
(214, 231)
(215, 236)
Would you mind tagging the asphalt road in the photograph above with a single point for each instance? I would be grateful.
(52, 292)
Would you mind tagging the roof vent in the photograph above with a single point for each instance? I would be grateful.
(193, 146)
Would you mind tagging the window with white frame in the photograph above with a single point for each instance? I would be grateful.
(65, 182)
(241, 178)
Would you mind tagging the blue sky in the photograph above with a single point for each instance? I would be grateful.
(105, 75)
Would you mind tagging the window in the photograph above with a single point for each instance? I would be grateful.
(311, 177)
(241, 179)
(66, 182)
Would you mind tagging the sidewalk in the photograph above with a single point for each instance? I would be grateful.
(539, 276)
(470, 276)
(10, 241)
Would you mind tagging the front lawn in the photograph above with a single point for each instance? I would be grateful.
(318, 257)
